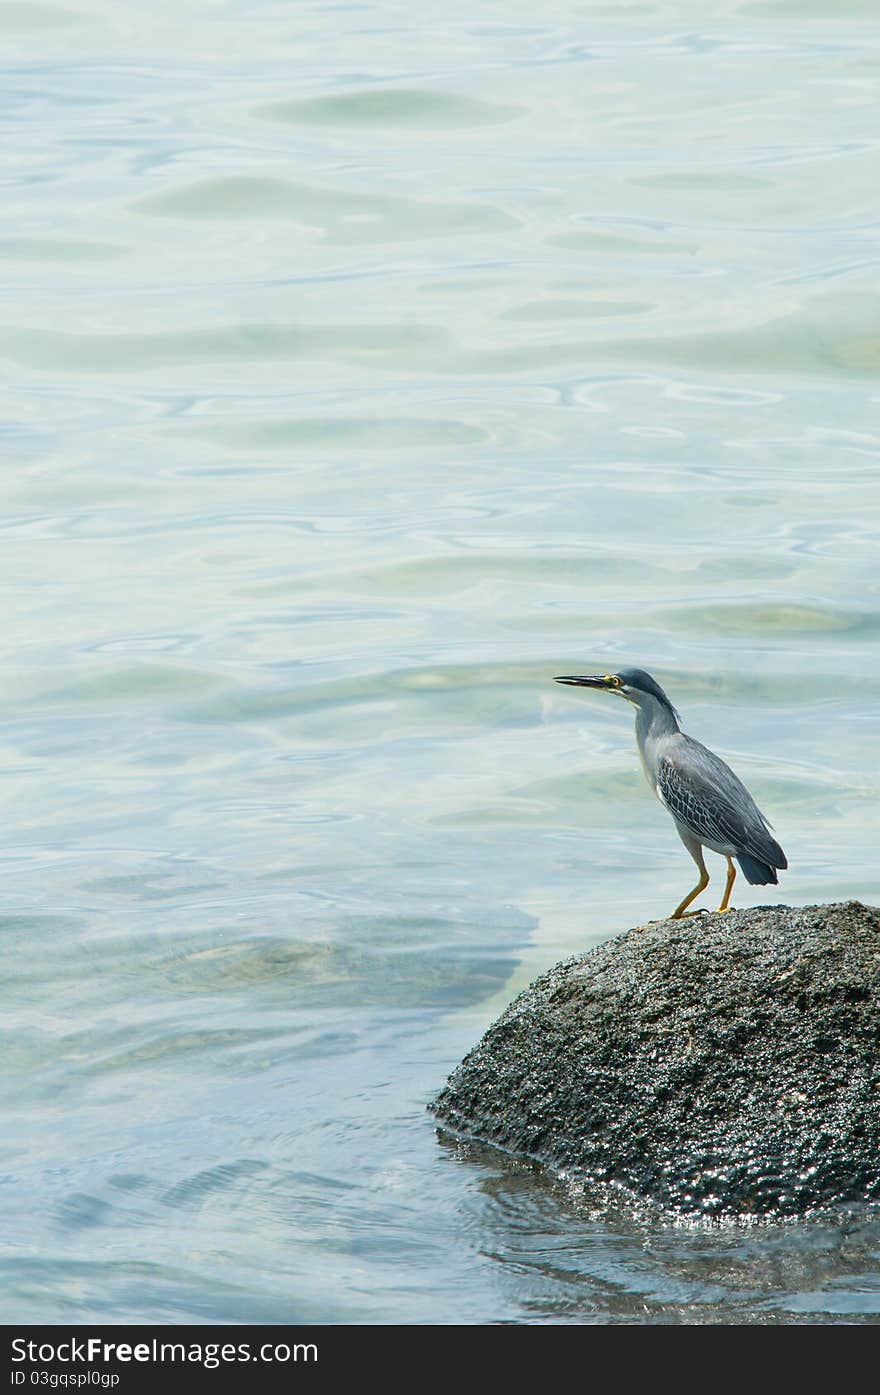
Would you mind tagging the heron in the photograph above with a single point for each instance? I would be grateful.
(710, 806)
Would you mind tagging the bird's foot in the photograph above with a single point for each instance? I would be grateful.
(681, 916)
(722, 910)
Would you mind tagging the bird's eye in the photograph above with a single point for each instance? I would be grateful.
(614, 680)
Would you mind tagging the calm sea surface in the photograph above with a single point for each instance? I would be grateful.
(365, 365)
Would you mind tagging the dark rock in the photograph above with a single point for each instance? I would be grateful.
(719, 1065)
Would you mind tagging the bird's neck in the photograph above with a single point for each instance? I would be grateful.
(654, 718)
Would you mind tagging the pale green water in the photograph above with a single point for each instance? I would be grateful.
(365, 366)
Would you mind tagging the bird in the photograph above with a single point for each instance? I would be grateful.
(710, 806)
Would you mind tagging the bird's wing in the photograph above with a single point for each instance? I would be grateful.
(704, 795)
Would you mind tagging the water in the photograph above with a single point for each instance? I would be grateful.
(366, 366)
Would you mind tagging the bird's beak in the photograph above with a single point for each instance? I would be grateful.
(586, 680)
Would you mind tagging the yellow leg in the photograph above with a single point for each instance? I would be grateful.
(731, 877)
(681, 911)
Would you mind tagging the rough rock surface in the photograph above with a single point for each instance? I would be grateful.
(719, 1065)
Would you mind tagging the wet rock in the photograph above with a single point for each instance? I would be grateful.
(720, 1065)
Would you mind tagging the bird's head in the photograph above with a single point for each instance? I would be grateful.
(634, 684)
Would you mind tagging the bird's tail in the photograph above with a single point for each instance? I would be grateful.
(757, 872)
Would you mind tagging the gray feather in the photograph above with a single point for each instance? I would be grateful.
(705, 796)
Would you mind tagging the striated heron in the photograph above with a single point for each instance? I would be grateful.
(710, 806)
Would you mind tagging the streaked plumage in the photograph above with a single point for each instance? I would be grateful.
(701, 791)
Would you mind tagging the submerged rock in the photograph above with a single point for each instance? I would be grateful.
(719, 1065)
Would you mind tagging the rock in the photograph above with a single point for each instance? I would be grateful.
(723, 1065)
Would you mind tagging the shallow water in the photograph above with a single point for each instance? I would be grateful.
(364, 369)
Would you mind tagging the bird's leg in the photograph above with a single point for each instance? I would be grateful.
(695, 849)
(731, 877)
(681, 911)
